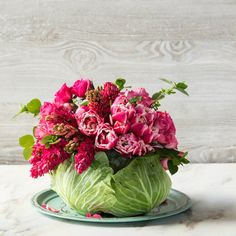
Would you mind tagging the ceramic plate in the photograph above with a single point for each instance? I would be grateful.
(176, 203)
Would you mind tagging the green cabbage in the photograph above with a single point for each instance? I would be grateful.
(133, 190)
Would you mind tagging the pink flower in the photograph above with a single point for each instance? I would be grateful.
(106, 137)
(80, 110)
(85, 155)
(81, 86)
(47, 109)
(129, 144)
(121, 128)
(142, 123)
(88, 122)
(63, 95)
(167, 130)
(89, 215)
(110, 91)
(142, 93)
(164, 163)
(44, 159)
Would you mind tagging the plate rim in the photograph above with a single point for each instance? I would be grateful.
(129, 219)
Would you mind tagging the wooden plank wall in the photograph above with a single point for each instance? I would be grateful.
(46, 42)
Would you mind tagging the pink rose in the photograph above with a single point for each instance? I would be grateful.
(63, 95)
(106, 137)
(166, 127)
(129, 145)
(140, 92)
(88, 122)
(81, 86)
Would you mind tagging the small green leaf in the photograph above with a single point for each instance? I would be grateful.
(27, 153)
(158, 96)
(26, 141)
(34, 106)
(181, 85)
(182, 91)
(135, 99)
(84, 103)
(50, 140)
(172, 168)
(166, 80)
(120, 83)
(184, 160)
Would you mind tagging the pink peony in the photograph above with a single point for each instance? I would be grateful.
(140, 92)
(80, 87)
(142, 123)
(121, 109)
(88, 122)
(47, 109)
(106, 137)
(44, 159)
(167, 130)
(121, 128)
(85, 155)
(63, 95)
(129, 144)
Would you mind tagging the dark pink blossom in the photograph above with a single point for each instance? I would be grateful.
(85, 155)
(106, 137)
(81, 86)
(88, 122)
(63, 95)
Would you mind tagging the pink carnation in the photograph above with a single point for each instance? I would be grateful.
(129, 144)
(106, 137)
(63, 95)
(85, 155)
(81, 86)
(167, 130)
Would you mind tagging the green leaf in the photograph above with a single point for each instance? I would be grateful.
(158, 96)
(101, 157)
(181, 85)
(26, 141)
(34, 106)
(84, 103)
(135, 99)
(27, 152)
(184, 160)
(172, 168)
(166, 80)
(50, 140)
(120, 83)
(182, 91)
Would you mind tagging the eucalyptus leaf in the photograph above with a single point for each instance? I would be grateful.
(27, 152)
(26, 141)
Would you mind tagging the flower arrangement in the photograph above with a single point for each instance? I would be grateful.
(107, 149)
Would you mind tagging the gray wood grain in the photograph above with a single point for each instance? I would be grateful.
(44, 43)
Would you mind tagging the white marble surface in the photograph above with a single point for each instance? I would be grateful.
(211, 187)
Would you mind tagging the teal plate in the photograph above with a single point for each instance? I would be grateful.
(176, 203)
